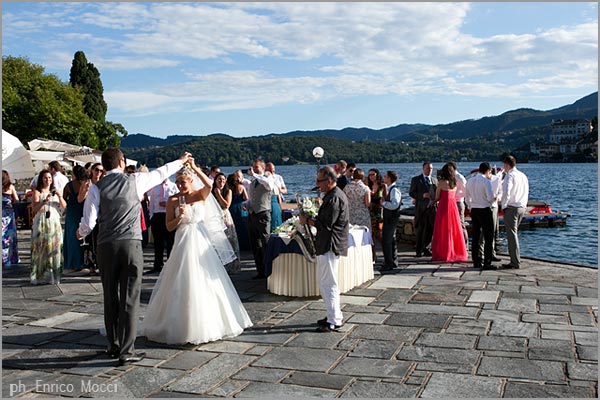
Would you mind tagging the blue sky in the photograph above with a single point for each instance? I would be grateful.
(249, 69)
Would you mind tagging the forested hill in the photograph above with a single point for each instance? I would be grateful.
(586, 107)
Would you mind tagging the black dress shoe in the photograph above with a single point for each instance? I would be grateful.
(489, 267)
(329, 328)
(496, 259)
(113, 352)
(509, 266)
(419, 255)
(322, 322)
(131, 358)
(387, 268)
(426, 252)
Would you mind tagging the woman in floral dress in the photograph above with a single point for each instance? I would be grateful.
(359, 199)
(10, 254)
(46, 231)
(223, 195)
(378, 193)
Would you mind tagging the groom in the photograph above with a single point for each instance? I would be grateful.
(114, 203)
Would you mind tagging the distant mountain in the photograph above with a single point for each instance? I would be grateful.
(514, 120)
(586, 107)
(358, 134)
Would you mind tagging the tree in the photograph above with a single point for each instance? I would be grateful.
(87, 77)
(39, 105)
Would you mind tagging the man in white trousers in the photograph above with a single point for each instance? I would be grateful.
(331, 242)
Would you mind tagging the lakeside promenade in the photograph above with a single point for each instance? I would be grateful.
(425, 330)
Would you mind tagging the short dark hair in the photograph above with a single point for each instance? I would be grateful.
(214, 168)
(111, 158)
(328, 173)
(427, 163)
(484, 167)
(393, 175)
(55, 165)
(510, 160)
(351, 165)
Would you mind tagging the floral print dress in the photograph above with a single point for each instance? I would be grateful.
(46, 243)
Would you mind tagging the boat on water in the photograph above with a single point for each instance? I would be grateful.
(539, 214)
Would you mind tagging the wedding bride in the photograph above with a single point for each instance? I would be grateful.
(194, 300)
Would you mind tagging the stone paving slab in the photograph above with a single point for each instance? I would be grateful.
(362, 389)
(443, 385)
(534, 390)
(371, 367)
(315, 379)
(543, 371)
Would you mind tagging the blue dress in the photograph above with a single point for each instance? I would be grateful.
(240, 217)
(73, 251)
(276, 217)
(10, 253)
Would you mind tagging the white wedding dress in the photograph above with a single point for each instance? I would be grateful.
(194, 300)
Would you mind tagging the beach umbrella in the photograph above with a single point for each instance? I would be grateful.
(16, 158)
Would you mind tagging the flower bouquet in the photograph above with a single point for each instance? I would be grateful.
(308, 205)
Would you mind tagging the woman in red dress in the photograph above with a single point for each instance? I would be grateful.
(448, 243)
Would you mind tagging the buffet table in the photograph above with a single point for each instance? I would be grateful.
(291, 274)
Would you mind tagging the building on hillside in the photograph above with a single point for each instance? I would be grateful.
(568, 131)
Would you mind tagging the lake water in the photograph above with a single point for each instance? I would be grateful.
(572, 188)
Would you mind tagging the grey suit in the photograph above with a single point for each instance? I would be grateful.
(424, 210)
(120, 258)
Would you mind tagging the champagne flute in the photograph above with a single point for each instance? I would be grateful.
(182, 200)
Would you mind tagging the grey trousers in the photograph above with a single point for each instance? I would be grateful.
(512, 219)
(121, 264)
(496, 230)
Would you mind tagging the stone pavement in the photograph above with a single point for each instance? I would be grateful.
(426, 330)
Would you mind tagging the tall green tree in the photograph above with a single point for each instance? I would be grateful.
(40, 105)
(86, 76)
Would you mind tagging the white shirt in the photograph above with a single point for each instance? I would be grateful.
(246, 183)
(515, 189)
(496, 181)
(395, 198)
(479, 192)
(143, 181)
(278, 181)
(461, 186)
(160, 193)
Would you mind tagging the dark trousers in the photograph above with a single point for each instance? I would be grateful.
(424, 229)
(259, 228)
(121, 263)
(388, 236)
(483, 224)
(162, 238)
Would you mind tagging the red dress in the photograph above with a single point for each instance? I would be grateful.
(448, 243)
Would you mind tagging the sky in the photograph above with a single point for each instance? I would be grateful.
(247, 69)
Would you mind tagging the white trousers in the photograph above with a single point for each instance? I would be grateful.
(327, 276)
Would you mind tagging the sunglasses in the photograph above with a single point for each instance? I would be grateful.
(98, 170)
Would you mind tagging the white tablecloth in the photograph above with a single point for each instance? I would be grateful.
(294, 275)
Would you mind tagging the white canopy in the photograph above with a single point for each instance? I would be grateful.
(16, 160)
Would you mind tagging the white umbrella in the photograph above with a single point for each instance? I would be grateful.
(16, 160)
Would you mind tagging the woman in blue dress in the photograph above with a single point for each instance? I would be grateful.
(10, 254)
(73, 251)
(276, 216)
(238, 213)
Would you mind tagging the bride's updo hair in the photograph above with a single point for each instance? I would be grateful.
(185, 172)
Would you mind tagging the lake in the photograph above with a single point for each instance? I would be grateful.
(572, 188)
